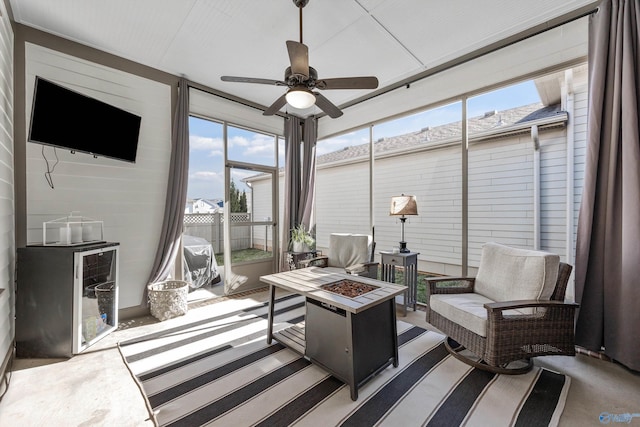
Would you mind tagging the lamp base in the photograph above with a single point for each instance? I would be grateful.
(403, 248)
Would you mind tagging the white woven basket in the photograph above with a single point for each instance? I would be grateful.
(168, 299)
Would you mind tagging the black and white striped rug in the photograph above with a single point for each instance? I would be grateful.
(220, 371)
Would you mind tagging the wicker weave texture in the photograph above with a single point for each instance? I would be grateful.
(168, 299)
(548, 331)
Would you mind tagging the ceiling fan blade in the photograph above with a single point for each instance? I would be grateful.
(299, 57)
(276, 106)
(325, 105)
(368, 82)
(252, 80)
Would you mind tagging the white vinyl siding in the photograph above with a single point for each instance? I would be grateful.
(128, 197)
(261, 207)
(500, 193)
(7, 198)
(342, 200)
(580, 114)
(553, 191)
(434, 177)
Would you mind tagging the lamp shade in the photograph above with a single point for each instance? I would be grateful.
(300, 98)
(403, 205)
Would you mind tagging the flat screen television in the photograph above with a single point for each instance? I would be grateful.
(67, 119)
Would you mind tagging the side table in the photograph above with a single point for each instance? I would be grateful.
(294, 258)
(409, 263)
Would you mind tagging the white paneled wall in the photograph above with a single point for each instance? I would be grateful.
(7, 204)
(128, 197)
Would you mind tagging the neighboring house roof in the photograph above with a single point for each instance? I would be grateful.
(211, 205)
(217, 203)
(496, 121)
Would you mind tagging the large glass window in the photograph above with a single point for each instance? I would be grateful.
(342, 186)
(420, 155)
(205, 191)
(502, 167)
(523, 174)
(251, 147)
(250, 155)
(251, 192)
(251, 201)
(206, 160)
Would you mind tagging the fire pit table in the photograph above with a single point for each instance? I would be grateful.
(350, 322)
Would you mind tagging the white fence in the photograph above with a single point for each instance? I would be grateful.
(210, 228)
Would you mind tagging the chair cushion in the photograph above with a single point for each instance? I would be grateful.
(507, 274)
(467, 310)
(348, 249)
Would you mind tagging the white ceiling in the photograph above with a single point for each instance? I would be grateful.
(205, 39)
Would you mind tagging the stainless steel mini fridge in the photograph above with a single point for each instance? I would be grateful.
(66, 298)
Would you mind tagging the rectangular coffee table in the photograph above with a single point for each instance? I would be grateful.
(352, 336)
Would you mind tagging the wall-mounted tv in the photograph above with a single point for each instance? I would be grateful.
(65, 118)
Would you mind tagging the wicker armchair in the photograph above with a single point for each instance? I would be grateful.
(348, 253)
(502, 334)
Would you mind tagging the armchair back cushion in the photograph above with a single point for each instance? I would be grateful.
(507, 274)
(346, 250)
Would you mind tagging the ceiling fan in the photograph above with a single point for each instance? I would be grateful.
(301, 79)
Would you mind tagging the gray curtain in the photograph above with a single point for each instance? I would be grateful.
(299, 177)
(169, 243)
(608, 241)
(292, 139)
(308, 173)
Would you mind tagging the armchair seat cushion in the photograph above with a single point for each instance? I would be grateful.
(467, 310)
(356, 269)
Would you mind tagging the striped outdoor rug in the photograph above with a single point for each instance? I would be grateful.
(220, 371)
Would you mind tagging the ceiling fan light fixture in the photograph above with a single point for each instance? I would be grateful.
(300, 98)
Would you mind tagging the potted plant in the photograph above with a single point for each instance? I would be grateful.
(301, 239)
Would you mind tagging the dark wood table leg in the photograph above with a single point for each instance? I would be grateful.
(272, 299)
(394, 331)
(353, 384)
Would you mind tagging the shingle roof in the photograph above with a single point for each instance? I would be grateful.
(492, 120)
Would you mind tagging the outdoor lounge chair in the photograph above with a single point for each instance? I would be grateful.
(350, 253)
(511, 311)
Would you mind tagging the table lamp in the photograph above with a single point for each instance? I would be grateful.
(403, 206)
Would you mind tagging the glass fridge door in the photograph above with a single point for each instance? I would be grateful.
(95, 295)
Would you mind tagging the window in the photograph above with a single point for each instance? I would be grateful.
(342, 185)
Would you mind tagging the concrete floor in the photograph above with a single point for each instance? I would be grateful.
(95, 388)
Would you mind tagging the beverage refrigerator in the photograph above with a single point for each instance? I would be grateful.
(66, 298)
